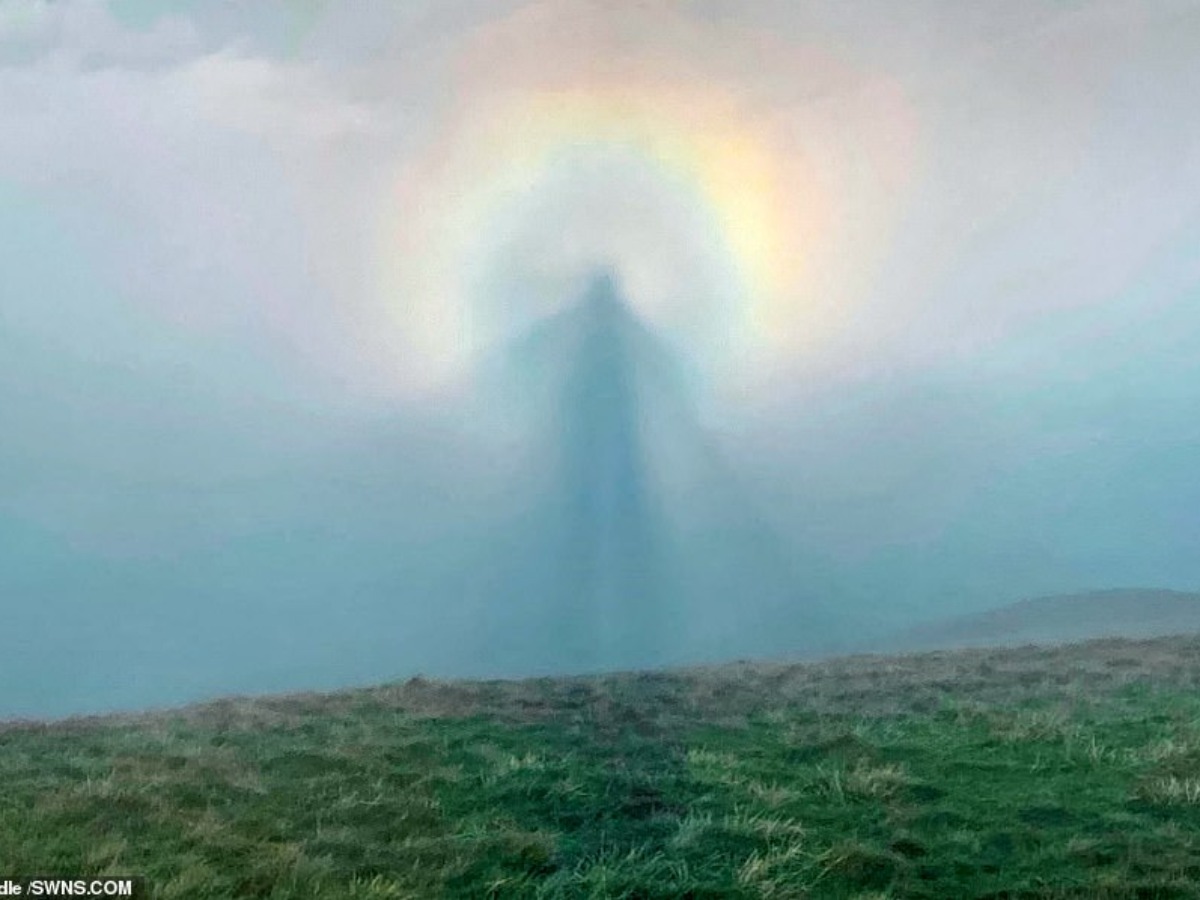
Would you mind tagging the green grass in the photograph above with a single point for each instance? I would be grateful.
(1060, 773)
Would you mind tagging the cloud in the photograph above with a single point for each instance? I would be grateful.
(85, 33)
(987, 213)
(198, 174)
(971, 182)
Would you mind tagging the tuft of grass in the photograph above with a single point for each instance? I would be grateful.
(1170, 790)
(877, 782)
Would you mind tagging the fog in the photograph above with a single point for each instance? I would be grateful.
(518, 338)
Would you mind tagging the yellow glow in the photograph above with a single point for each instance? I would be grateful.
(760, 203)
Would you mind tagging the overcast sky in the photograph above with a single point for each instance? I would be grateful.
(934, 266)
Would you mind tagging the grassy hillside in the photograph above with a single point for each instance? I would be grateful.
(1069, 772)
(1136, 613)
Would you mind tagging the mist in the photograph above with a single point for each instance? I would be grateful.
(345, 346)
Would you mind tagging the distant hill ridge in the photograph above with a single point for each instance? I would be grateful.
(1063, 618)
